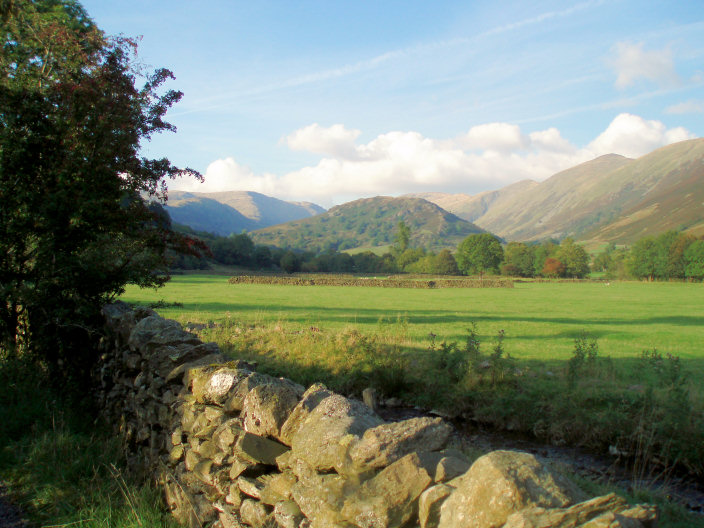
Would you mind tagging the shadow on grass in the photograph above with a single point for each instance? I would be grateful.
(436, 316)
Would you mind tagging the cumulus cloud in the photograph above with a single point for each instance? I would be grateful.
(487, 156)
(687, 107)
(228, 175)
(334, 141)
(633, 136)
(500, 137)
(632, 63)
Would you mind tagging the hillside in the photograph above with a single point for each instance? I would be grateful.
(563, 205)
(233, 211)
(671, 195)
(370, 222)
(608, 199)
(471, 207)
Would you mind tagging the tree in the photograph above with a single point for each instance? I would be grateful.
(644, 259)
(290, 262)
(74, 228)
(445, 263)
(553, 268)
(574, 257)
(518, 260)
(670, 261)
(408, 257)
(694, 257)
(540, 254)
(479, 253)
(403, 237)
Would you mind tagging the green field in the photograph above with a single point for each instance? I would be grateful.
(598, 392)
(541, 320)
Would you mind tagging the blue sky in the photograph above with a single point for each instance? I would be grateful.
(333, 100)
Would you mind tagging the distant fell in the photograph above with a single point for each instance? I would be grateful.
(661, 191)
(370, 222)
(233, 211)
(608, 199)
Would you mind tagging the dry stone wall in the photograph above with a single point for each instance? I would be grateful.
(233, 447)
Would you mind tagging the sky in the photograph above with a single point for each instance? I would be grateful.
(333, 100)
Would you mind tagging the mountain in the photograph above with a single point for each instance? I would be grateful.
(472, 207)
(608, 199)
(233, 211)
(670, 195)
(370, 222)
(563, 205)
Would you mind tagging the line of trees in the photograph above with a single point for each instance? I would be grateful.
(670, 255)
(667, 256)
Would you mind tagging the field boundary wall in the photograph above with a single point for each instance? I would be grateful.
(233, 447)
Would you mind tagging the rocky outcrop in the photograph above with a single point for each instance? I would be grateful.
(233, 447)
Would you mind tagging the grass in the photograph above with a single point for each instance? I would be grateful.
(541, 320)
(62, 469)
(569, 367)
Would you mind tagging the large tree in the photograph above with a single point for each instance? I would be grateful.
(75, 227)
(479, 253)
(574, 257)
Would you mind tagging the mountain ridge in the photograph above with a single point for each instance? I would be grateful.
(370, 222)
(229, 212)
(610, 199)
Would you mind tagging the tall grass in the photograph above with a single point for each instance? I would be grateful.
(61, 468)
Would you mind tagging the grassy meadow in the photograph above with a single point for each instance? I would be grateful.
(573, 363)
(541, 320)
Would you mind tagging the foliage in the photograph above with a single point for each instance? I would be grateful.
(583, 357)
(574, 257)
(237, 250)
(290, 262)
(662, 257)
(694, 256)
(60, 467)
(403, 237)
(479, 253)
(74, 228)
(368, 223)
(519, 260)
(553, 268)
(445, 264)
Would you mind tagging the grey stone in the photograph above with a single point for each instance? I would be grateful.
(386, 443)
(287, 514)
(326, 434)
(501, 483)
(266, 408)
(390, 499)
(309, 401)
(254, 513)
(258, 449)
(429, 505)
(609, 511)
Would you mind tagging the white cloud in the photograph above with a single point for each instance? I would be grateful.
(633, 136)
(500, 137)
(228, 175)
(633, 63)
(334, 141)
(687, 107)
(488, 156)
